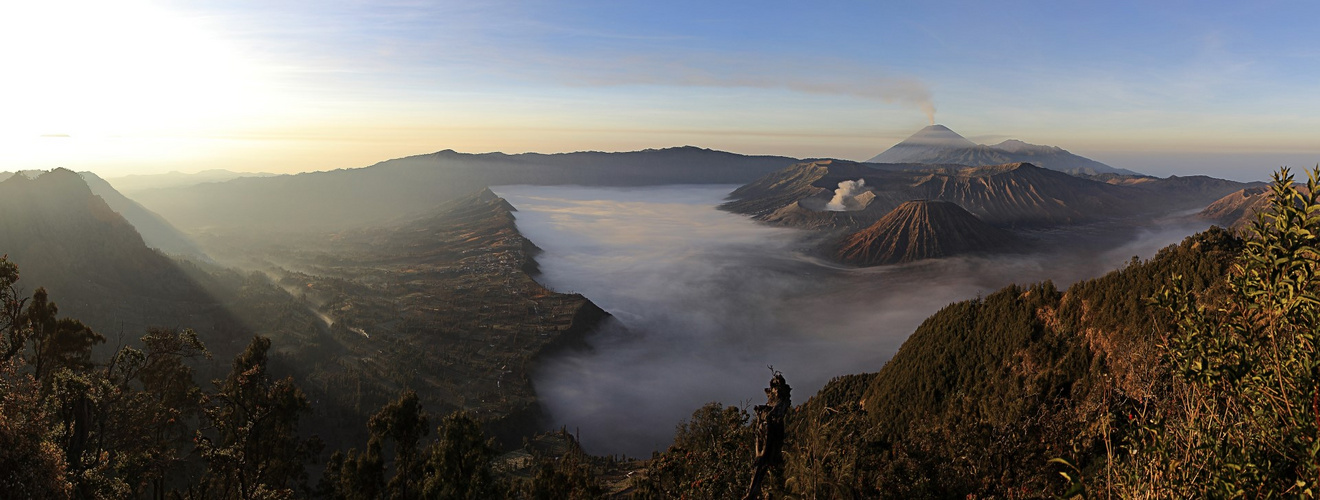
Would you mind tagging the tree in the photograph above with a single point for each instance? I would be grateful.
(58, 342)
(405, 424)
(567, 477)
(150, 406)
(14, 329)
(458, 463)
(252, 445)
(708, 459)
(31, 462)
(354, 475)
(1240, 414)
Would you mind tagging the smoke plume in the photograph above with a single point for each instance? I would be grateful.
(843, 197)
(822, 77)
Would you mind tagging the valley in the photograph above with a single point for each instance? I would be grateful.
(707, 299)
(612, 310)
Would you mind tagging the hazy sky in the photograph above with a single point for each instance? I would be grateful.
(136, 86)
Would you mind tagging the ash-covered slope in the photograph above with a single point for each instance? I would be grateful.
(1016, 194)
(1239, 208)
(1022, 194)
(1010, 195)
(921, 229)
(938, 144)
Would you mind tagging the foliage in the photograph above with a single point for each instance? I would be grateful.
(250, 443)
(711, 457)
(458, 465)
(568, 476)
(1240, 413)
(31, 462)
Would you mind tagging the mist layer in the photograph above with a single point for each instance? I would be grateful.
(707, 300)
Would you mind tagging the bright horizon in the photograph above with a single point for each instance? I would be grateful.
(142, 87)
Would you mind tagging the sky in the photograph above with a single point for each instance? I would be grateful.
(1166, 87)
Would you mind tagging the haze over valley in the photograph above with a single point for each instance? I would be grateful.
(706, 299)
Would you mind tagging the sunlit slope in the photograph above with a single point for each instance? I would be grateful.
(1238, 209)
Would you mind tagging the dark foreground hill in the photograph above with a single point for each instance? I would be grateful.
(411, 186)
(918, 230)
(97, 267)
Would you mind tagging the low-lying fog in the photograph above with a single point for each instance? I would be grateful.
(709, 299)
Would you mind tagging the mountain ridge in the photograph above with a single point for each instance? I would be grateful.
(413, 185)
(1014, 194)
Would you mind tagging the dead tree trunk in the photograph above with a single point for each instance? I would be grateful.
(769, 432)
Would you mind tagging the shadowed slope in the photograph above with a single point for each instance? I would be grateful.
(155, 230)
(97, 267)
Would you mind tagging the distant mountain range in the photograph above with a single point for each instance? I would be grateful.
(938, 144)
(140, 182)
(397, 189)
(1015, 194)
(1008, 196)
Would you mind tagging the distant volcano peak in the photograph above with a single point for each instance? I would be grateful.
(940, 145)
(937, 135)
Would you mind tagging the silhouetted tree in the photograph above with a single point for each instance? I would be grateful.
(14, 328)
(405, 424)
(251, 445)
(458, 463)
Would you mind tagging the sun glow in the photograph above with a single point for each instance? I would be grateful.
(85, 79)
